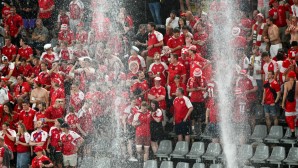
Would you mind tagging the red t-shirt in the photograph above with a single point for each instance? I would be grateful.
(245, 84)
(26, 70)
(181, 107)
(54, 113)
(143, 129)
(27, 119)
(175, 42)
(76, 9)
(157, 92)
(69, 142)
(201, 48)
(281, 20)
(154, 38)
(72, 119)
(213, 111)
(7, 141)
(45, 5)
(76, 100)
(25, 138)
(194, 82)
(36, 162)
(63, 19)
(160, 69)
(25, 52)
(82, 37)
(54, 135)
(67, 36)
(178, 69)
(21, 89)
(14, 22)
(9, 51)
(86, 121)
(57, 94)
(269, 98)
(44, 78)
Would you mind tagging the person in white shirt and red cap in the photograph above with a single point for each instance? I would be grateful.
(136, 57)
(49, 56)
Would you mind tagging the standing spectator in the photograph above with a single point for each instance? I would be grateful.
(271, 97)
(212, 119)
(273, 38)
(200, 39)
(63, 17)
(29, 13)
(46, 8)
(176, 68)
(255, 67)
(158, 69)
(9, 136)
(191, 20)
(182, 5)
(141, 39)
(141, 121)
(76, 97)
(197, 87)
(54, 112)
(288, 65)
(182, 112)
(38, 137)
(294, 9)
(9, 116)
(71, 141)
(289, 102)
(65, 35)
(292, 29)
(269, 65)
(257, 34)
(9, 49)
(172, 21)
(154, 6)
(27, 116)
(135, 57)
(175, 43)
(155, 42)
(40, 160)
(81, 34)
(156, 129)
(40, 35)
(25, 51)
(140, 87)
(56, 93)
(53, 144)
(76, 11)
(39, 94)
(23, 149)
(14, 23)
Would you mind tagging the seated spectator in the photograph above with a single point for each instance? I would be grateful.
(49, 56)
(173, 20)
(9, 50)
(135, 57)
(40, 35)
(25, 51)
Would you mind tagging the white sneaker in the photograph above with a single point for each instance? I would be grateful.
(133, 159)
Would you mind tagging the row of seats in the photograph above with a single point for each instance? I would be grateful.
(245, 153)
(170, 164)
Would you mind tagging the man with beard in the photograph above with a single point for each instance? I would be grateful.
(140, 87)
(273, 38)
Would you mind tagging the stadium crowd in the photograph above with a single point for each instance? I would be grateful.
(63, 77)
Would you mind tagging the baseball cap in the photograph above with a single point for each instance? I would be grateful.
(64, 125)
(38, 149)
(197, 72)
(135, 48)
(292, 74)
(47, 46)
(157, 78)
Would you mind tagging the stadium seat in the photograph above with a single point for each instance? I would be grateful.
(259, 133)
(222, 156)
(213, 151)
(198, 165)
(151, 164)
(164, 149)
(167, 164)
(275, 134)
(261, 154)
(206, 134)
(87, 162)
(181, 149)
(102, 162)
(196, 151)
(292, 158)
(182, 165)
(245, 152)
(248, 167)
(286, 139)
(216, 166)
(277, 156)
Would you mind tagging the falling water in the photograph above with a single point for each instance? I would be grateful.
(224, 74)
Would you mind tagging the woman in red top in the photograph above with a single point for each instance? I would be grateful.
(9, 116)
(141, 121)
(23, 149)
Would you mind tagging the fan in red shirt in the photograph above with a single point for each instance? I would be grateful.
(175, 43)
(9, 116)
(271, 96)
(41, 116)
(24, 68)
(192, 20)
(182, 112)
(14, 23)
(26, 116)
(76, 97)
(185, 60)
(71, 141)
(140, 87)
(212, 118)
(22, 142)
(200, 39)
(278, 13)
(38, 137)
(9, 136)
(45, 8)
(158, 69)
(63, 17)
(81, 34)
(168, 35)
(22, 89)
(25, 51)
(66, 53)
(40, 160)
(56, 92)
(72, 120)
(5, 10)
(65, 34)
(48, 56)
(86, 117)
(53, 112)
(155, 42)
(141, 121)
(136, 57)
(9, 49)
(176, 68)
(287, 66)
(76, 11)
(43, 76)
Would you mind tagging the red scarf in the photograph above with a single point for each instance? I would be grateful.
(257, 38)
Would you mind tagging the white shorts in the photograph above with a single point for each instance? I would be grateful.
(70, 160)
(274, 49)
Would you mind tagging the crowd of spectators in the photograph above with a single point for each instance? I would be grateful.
(63, 77)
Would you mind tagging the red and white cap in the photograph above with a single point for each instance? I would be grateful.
(292, 55)
(243, 72)
(236, 31)
(260, 15)
(157, 78)
(197, 72)
(47, 46)
(184, 51)
(64, 27)
(4, 78)
(193, 48)
(292, 74)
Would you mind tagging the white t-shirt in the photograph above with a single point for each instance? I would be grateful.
(257, 67)
(174, 23)
(3, 96)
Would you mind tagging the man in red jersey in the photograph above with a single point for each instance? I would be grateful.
(54, 144)
(76, 11)
(269, 65)
(197, 87)
(141, 121)
(65, 35)
(9, 136)
(39, 136)
(200, 39)
(81, 34)
(56, 91)
(71, 141)
(176, 68)
(9, 70)
(192, 20)
(40, 160)
(46, 8)
(25, 51)
(26, 116)
(9, 49)
(49, 56)
(63, 17)
(289, 102)
(155, 43)
(271, 96)
(158, 69)
(77, 97)
(54, 112)
(278, 13)
(14, 23)
(182, 112)
(22, 89)
(175, 43)
(140, 87)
